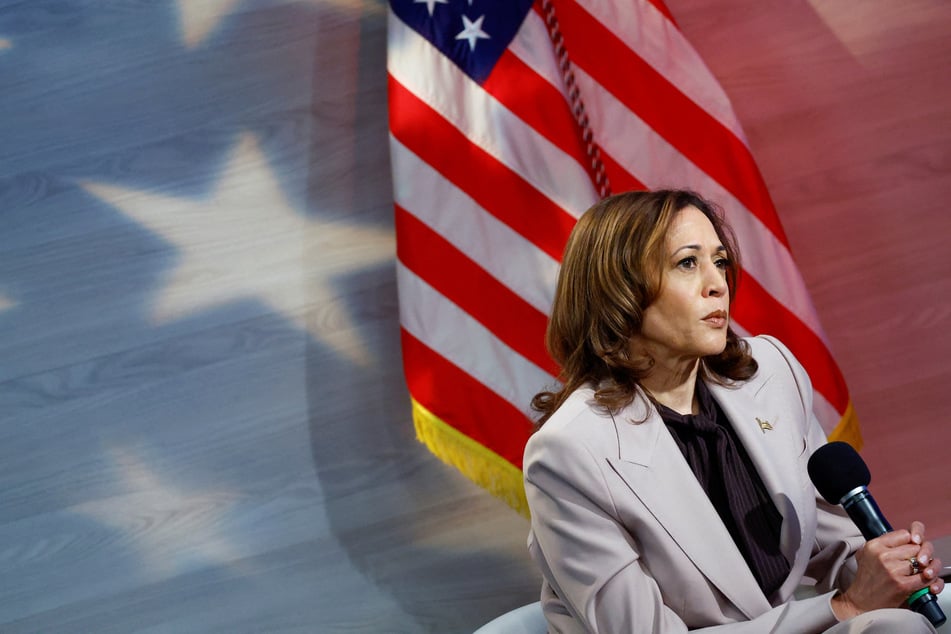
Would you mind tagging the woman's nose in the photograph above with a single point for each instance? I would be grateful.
(714, 281)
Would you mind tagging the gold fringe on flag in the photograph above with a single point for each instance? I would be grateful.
(847, 430)
(478, 463)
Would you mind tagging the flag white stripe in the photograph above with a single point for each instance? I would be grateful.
(657, 164)
(532, 44)
(656, 40)
(456, 336)
(428, 74)
(515, 262)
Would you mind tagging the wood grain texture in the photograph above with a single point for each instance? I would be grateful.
(224, 444)
(216, 444)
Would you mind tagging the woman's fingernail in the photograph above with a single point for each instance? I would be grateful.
(916, 538)
(923, 560)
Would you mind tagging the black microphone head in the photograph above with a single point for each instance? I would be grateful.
(836, 468)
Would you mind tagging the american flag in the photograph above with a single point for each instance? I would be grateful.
(508, 119)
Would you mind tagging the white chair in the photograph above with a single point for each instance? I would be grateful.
(944, 600)
(527, 619)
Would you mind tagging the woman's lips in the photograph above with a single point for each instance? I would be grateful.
(716, 319)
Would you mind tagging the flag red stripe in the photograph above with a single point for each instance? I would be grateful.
(685, 125)
(659, 4)
(495, 187)
(758, 312)
(465, 403)
(663, 9)
(523, 91)
(469, 286)
(545, 108)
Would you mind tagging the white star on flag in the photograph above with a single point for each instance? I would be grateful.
(247, 241)
(472, 31)
(430, 4)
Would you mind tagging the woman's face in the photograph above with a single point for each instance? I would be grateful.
(689, 318)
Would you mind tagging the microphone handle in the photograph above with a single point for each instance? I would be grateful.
(863, 510)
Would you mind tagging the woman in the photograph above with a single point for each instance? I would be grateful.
(667, 480)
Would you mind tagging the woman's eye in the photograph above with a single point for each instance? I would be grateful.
(722, 263)
(687, 263)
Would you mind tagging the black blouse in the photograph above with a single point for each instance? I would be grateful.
(725, 471)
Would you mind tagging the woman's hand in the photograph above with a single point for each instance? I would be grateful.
(885, 575)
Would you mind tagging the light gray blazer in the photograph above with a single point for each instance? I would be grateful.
(627, 540)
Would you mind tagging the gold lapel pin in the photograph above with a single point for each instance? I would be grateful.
(764, 425)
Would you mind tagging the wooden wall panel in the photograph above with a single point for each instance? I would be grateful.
(203, 421)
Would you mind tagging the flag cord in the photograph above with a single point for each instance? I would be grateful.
(595, 164)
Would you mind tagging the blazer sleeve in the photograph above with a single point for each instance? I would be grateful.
(832, 564)
(587, 556)
(592, 562)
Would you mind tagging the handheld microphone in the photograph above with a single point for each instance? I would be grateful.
(841, 477)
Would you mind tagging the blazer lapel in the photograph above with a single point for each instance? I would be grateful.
(766, 432)
(654, 468)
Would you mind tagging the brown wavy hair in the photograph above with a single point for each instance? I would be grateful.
(611, 271)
